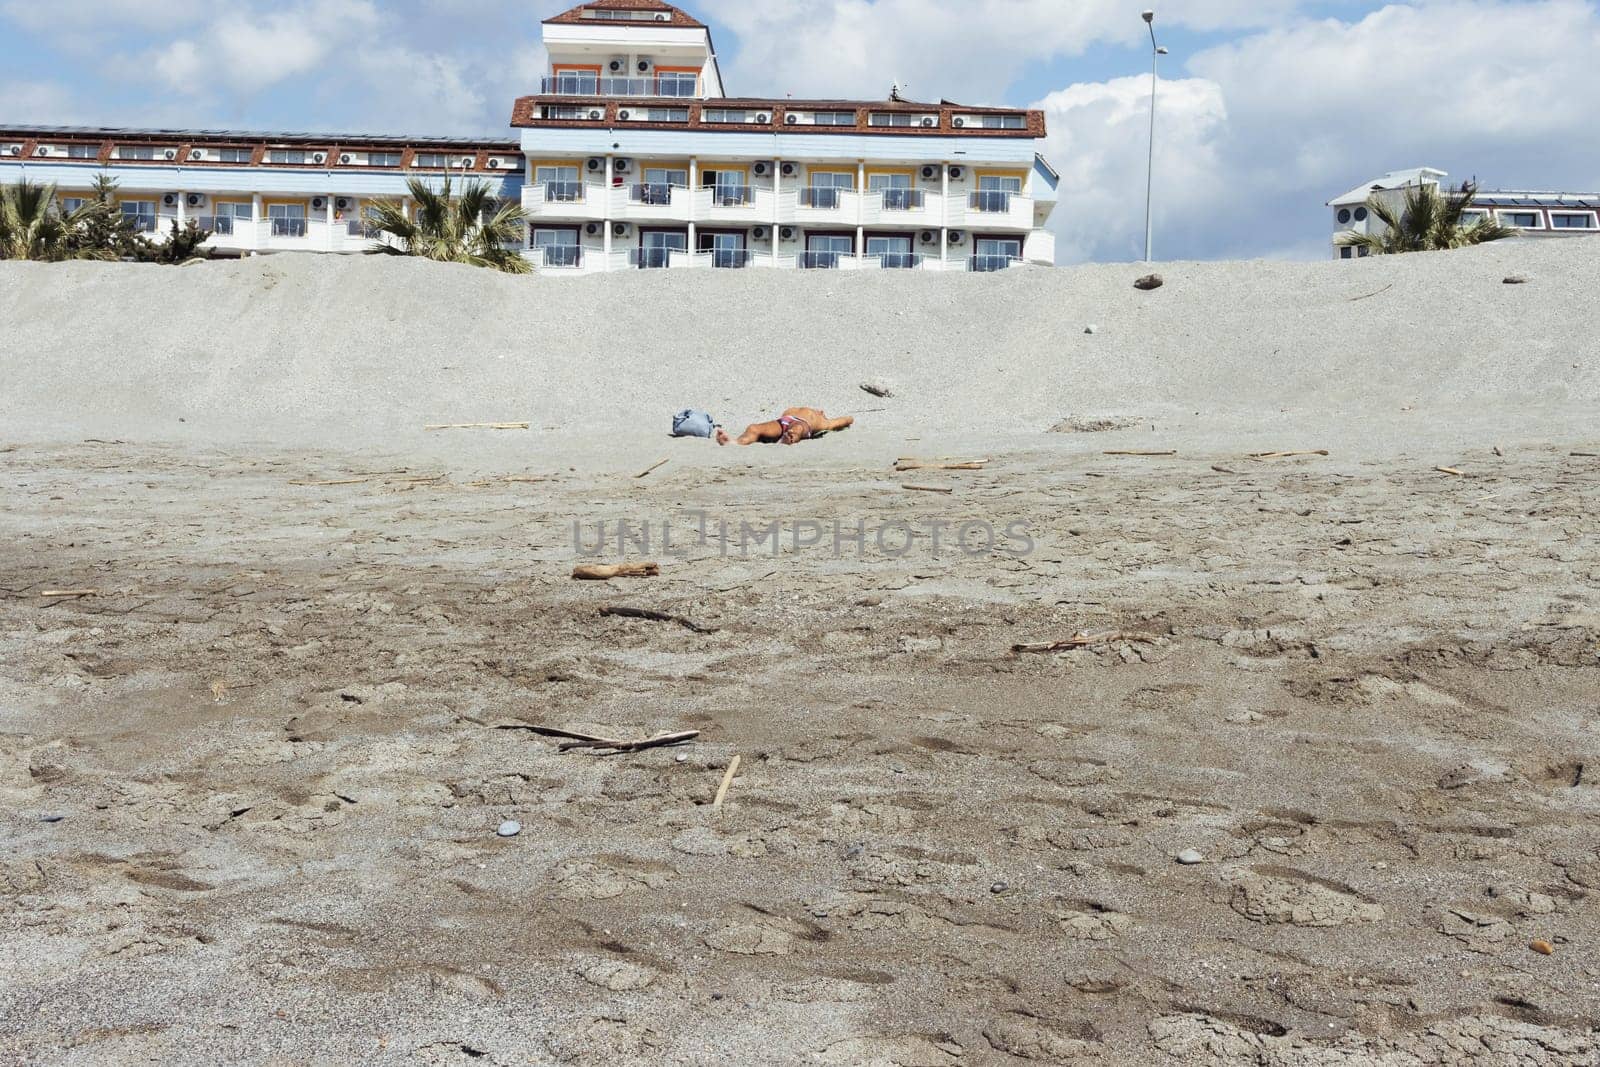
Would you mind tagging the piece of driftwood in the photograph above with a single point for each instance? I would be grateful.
(604, 572)
(1084, 640)
(1286, 455)
(876, 390)
(727, 780)
(1588, 455)
(927, 488)
(1369, 296)
(525, 479)
(1137, 452)
(652, 469)
(1451, 470)
(655, 616)
(57, 594)
(570, 740)
(336, 481)
(905, 464)
(1220, 469)
(478, 426)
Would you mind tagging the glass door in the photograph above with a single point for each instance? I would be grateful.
(658, 185)
(561, 184)
(288, 220)
(727, 249)
(896, 190)
(656, 247)
(893, 252)
(823, 251)
(995, 253)
(729, 188)
(824, 190)
(995, 192)
(557, 247)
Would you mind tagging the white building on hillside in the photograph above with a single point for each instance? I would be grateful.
(631, 155)
(1532, 214)
(638, 158)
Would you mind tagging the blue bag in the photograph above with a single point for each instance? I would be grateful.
(692, 423)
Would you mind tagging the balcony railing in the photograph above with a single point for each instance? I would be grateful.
(593, 85)
(220, 225)
(560, 255)
(824, 197)
(563, 192)
(904, 199)
(986, 264)
(730, 195)
(728, 258)
(141, 223)
(898, 260)
(652, 194)
(288, 227)
(997, 201)
(651, 258)
(821, 260)
(355, 228)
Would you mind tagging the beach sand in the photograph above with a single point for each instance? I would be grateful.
(249, 790)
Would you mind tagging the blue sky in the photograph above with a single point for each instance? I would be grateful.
(1268, 107)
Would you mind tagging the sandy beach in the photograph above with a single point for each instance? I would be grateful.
(270, 649)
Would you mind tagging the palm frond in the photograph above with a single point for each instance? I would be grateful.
(469, 228)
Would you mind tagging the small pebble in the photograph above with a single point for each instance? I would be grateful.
(51, 818)
(1543, 948)
(1091, 329)
(1189, 857)
(509, 828)
(854, 851)
(998, 887)
(681, 759)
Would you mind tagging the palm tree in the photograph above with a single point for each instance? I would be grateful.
(30, 225)
(470, 229)
(1429, 223)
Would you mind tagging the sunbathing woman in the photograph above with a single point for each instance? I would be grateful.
(790, 428)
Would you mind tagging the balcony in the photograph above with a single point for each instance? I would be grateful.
(735, 205)
(565, 200)
(989, 209)
(557, 257)
(896, 260)
(990, 264)
(815, 205)
(670, 85)
(902, 207)
(286, 227)
(141, 223)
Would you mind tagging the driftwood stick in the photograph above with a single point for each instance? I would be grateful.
(727, 780)
(477, 426)
(1366, 296)
(1451, 470)
(604, 572)
(56, 594)
(336, 481)
(1084, 640)
(903, 465)
(1286, 455)
(658, 741)
(652, 469)
(655, 616)
(927, 488)
(1133, 452)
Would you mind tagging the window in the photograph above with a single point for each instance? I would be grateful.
(560, 182)
(1347, 252)
(727, 249)
(1361, 214)
(896, 191)
(657, 246)
(998, 122)
(995, 253)
(70, 204)
(236, 155)
(606, 14)
(227, 214)
(658, 185)
(721, 115)
(895, 118)
(824, 250)
(557, 247)
(576, 81)
(565, 112)
(1471, 218)
(667, 114)
(824, 190)
(288, 220)
(141, 215)
(1522, 220)
(384, 159)
(729, 188)
(431, 160)
(83, 151)
(143, 151)
(1571, 222)
(892, 252)
(1344, 216)
(995, 192)
(285, 156)
(677, 83)
(835, 118)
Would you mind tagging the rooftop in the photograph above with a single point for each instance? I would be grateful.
(628, 12)
(116, 133)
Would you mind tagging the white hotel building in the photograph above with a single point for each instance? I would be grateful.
(631, 156)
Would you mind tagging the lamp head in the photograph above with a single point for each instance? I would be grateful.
(1149, 16)
(1162, 51)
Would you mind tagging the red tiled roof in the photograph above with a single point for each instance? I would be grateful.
(678, 18)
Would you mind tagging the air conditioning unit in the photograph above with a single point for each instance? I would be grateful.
(624, 116)
(646, 66)
(469, 161)
(195, 199)
(957, 173)
(623, 166)
(16, 150)
(592, 229)
(662, 16)
(319, 203)
(929, 122)
(759, 233)
(344, 203)
(763, 119)
(958, 236)
(596, 163)
(760, 169)
(621, 229)
(319, 158)
(42, 150)
(346, 159)
(170, 200)
(170, 154)
(196, 155)
(788, 233)
(790, 170)
(960, 122)
(596, 115)
(930, 237)
(618, 65)
(929, 173)
(791, 120)
(494, 164)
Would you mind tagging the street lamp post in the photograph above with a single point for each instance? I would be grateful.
(1156, 52)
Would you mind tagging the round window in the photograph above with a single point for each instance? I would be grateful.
(1344, 215)
(1361, 214)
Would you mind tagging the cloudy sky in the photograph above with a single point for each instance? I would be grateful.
(1267, 107)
